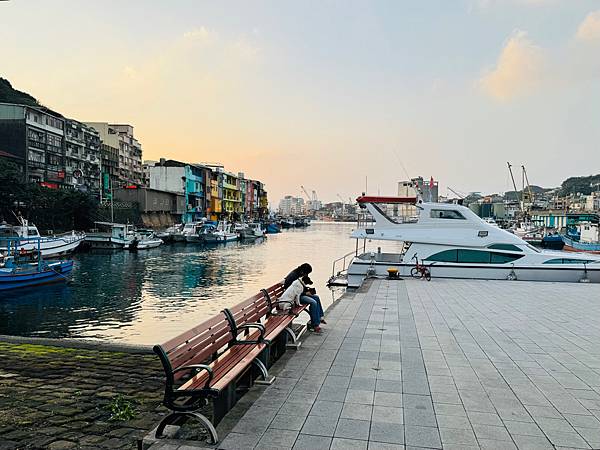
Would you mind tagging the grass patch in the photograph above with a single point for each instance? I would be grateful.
(122, 409)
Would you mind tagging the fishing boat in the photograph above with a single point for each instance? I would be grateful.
(143, 240)
(585, 238)
(168, 235)
(20, 268)
(190, 230)
(288, 223)
(453, 242)
(251, 232)
(110, 236)
(29, 237)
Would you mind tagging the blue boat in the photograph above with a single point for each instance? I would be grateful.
(273, 228)
(572, 245)
(21, 269)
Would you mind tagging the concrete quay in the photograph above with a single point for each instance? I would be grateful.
(452, 364)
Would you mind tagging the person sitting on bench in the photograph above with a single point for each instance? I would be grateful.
(309, 296)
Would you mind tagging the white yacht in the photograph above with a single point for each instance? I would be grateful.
(453, 242)
(29, 239)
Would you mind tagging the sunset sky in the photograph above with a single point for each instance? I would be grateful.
(326, 93)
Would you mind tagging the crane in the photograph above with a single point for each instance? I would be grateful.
(529, 190)
(305, 193)
(515, 185)
(460, 196)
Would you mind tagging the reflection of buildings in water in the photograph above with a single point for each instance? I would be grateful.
(103, 288)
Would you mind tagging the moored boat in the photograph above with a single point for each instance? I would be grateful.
(20, 268)
(110, 236)
(452, 242)
(29, 237)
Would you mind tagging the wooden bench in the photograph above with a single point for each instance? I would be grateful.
(205, 364)
(276, 316)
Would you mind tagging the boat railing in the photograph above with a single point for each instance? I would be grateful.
(348, 257)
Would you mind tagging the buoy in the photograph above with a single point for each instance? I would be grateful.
(392, 273)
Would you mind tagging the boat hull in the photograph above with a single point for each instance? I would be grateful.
(55, 246)
(566, 273)
(576, 246)
(55, 273)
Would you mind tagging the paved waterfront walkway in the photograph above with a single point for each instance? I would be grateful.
(454, 364)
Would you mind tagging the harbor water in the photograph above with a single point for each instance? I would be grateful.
(150, 296)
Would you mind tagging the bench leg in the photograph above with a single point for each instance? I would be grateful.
(266, 378)
(178, 415)
(295, 342)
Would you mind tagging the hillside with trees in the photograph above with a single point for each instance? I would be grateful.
(8, 94)
(583, 185)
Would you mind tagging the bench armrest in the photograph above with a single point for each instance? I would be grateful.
(198, 367)
(247, 326)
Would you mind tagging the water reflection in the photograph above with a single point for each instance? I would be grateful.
(148, 296)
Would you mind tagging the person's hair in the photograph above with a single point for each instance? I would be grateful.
(305, 268)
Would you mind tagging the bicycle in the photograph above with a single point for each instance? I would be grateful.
(420, 270)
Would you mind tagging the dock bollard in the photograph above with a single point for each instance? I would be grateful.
(392, 273)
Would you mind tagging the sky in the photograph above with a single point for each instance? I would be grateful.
(337, 96)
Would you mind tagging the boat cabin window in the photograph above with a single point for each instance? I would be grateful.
(508, 247)
(32, 231)
(473, 257)
(446, 214)
(568, 261)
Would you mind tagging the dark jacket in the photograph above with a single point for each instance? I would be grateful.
(291, 277)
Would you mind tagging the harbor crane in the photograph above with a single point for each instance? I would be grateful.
(515, 185)
(306, 193)
(529, 190)
(460, 196)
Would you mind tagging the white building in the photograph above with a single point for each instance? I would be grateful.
(291, 206)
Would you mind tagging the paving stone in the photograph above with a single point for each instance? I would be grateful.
(523, 428)
(484, 418)
(277, 439)
(388, 414)
(352, 429)
(392, 433)
(384, 446)
(419, 436)
(491, 432)
(457, 436)
(348, 444)
(319, 426)
(388, 399)
(310, 442)
(327, 409)
(360, 396)
(239, 441)
(356, 411)
(532, 442)
(461, 422)
(287, 422)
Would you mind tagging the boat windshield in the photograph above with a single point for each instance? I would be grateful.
(531, 247)
(398, 213)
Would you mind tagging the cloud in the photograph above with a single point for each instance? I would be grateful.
(201, 35)
(589, 30)
(518, 71)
